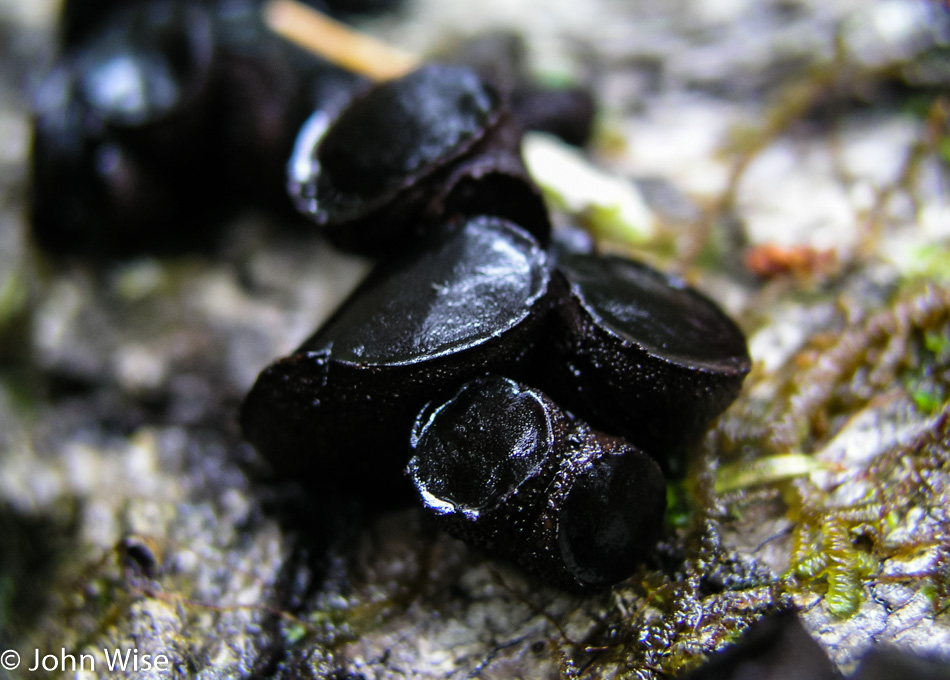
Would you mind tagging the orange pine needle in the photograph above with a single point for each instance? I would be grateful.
(336, 42)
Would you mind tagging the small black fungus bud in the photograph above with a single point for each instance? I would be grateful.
(888, 663)
(641, 354)
(140, 557)
(776, 647)
(267, 89)
(507, 470)
(382, 171)
(159, 110)
(105, 118)
(567, 113)
(342, 406)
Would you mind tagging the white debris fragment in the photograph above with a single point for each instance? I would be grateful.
(612, 204)
(678, 138)
(789, 195)
(893, 31)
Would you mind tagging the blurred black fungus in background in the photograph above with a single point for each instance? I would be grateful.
(160, 117)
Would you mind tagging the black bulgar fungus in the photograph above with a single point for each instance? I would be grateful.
(631, 350)
(376, 175)
(161, 117)
(889, 663)
(507, 470)
(641, 354)
(101, 175)
(567, 113)
(150, 68)
(776, 647)
(504, 466)
(267, 89)
(501, 57)
(400, 131)
(342, 406)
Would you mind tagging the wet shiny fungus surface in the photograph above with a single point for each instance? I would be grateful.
(471, 284)
(656, 311)
(642, 355)
(480, 445)
(341, 408)
(403, 127)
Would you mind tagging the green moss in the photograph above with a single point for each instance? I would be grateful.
(928, 401)
(837, 550)
(930, 261)
(677, 505)
(294, 633)
(927, 378)
(944, 148)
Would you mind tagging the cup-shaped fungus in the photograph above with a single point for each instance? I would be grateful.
(467, 303)
(506, 469)
(383, 172)
(641, 354)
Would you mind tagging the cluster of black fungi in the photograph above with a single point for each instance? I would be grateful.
(478, 358)
(482, 365)
(532, 396)
(161, 118)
